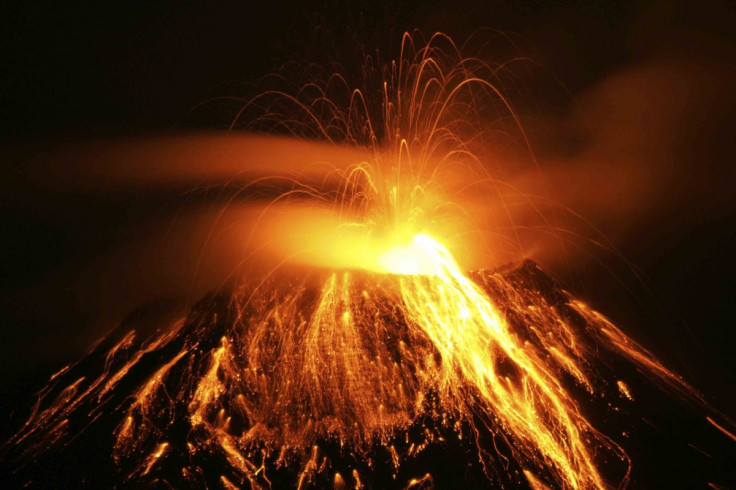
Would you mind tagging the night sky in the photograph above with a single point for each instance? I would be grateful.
(118, 69)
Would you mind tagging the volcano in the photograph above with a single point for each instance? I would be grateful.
(183, 403)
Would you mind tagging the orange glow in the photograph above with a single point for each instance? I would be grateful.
(386, 327)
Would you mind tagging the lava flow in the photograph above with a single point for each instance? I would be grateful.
(369, 344)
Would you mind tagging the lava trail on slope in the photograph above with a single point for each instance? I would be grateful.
(184, 404)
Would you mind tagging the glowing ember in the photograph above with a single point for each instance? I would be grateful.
(388, 341)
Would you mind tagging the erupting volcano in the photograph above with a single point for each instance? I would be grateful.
(365, 354)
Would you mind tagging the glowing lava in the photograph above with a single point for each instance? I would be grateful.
(474, 341)
(384, 334)
(361, 358)
(415, 258)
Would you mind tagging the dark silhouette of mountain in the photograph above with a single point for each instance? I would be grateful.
(73, 437)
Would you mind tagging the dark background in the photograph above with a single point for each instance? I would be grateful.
(76, 72)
